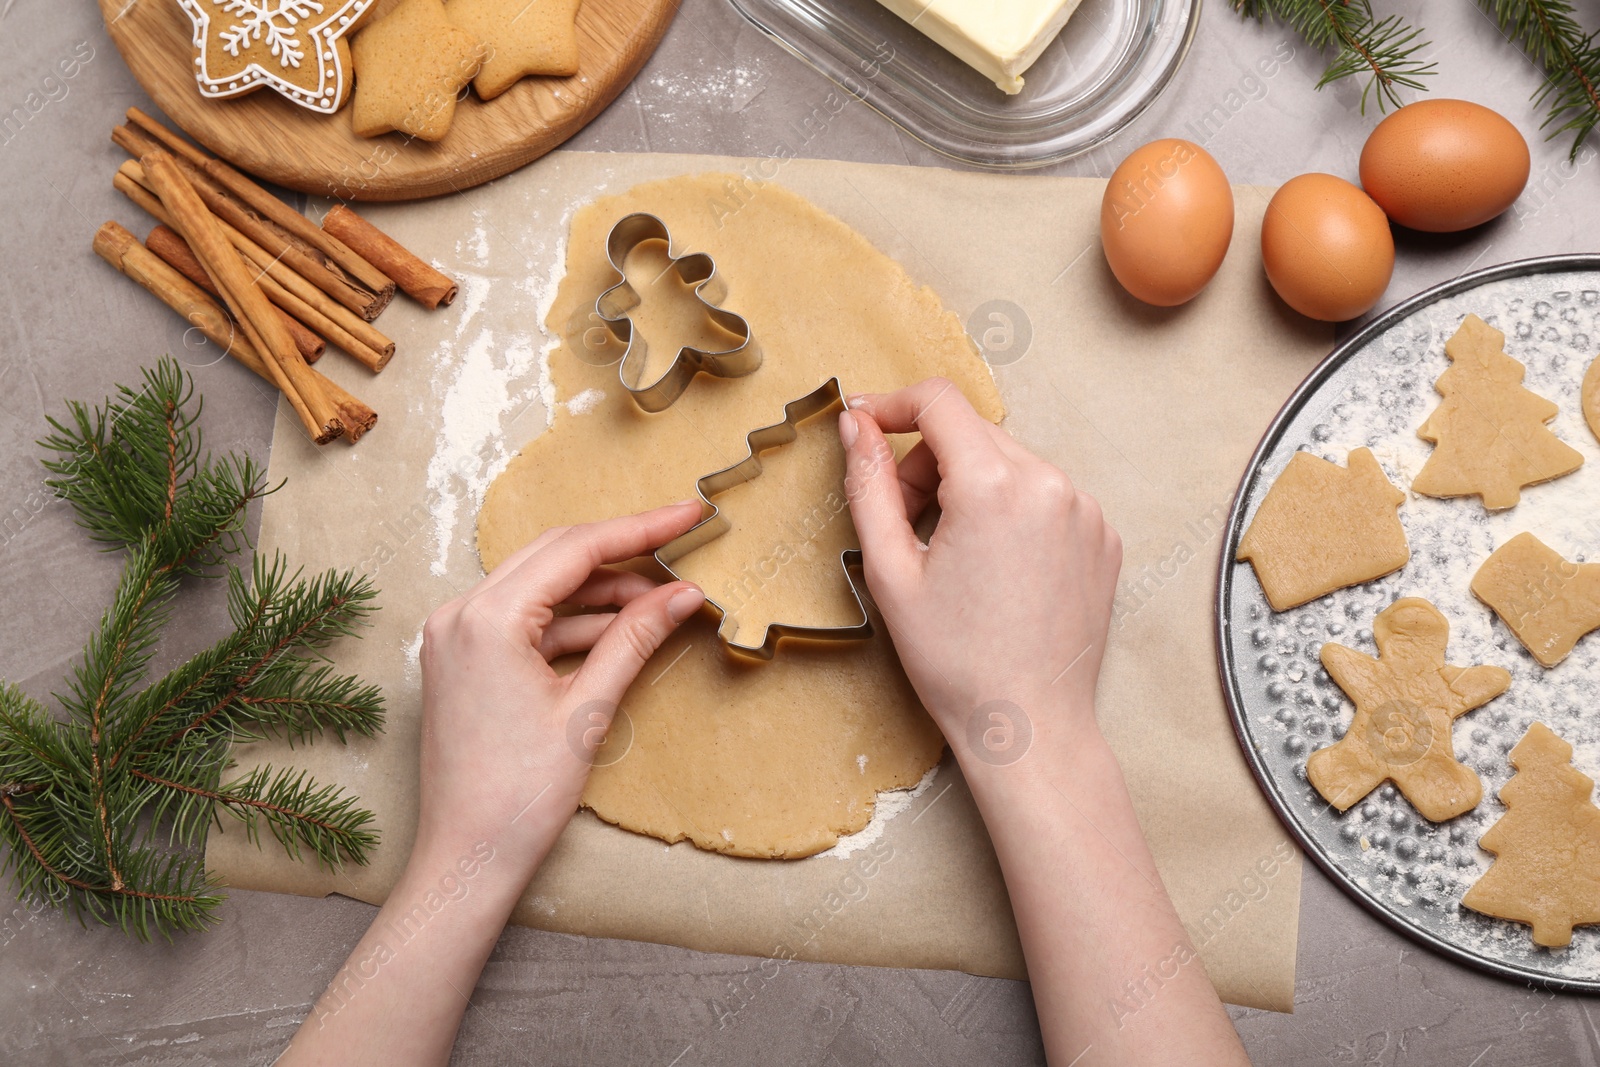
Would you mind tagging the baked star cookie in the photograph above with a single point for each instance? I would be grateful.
(524, 37)
(1548, 602)
(1546, 871)
(410, 67)
(1322, 527)
(295, 47)
(1489, 432)
(1406, 700)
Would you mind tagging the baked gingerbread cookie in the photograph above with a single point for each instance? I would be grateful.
(1547, 601)
(410, 66)
(297, 48)
(523, 37)
(1406, 699)
(1546, 871)
(1591, 397)
(1489, 432)
(1322, 527)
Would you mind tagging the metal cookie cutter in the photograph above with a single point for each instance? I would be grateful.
(697, 270)
(825, 398)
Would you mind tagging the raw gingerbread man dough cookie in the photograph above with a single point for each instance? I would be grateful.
(1406, 700)
(410, 66)
(1322, 527)
(524, 37)
(1548, 602)
(1546, 871)
(1489, 432)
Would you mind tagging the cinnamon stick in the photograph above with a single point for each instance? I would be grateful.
(122, 250)
(175, 252)
(364, 271)
(417, 279)
(244, 219)
(250, 307)
(357, 337)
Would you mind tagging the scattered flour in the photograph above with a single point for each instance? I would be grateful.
(889, 804)
(861, 763)
(585, 401)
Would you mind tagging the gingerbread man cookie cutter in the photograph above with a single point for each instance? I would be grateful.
(825, 398)
(696, 269)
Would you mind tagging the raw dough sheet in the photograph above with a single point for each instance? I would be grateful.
(1155, 412)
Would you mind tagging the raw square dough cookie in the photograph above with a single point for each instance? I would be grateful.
(1548, 602)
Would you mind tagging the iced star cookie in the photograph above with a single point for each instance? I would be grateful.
(294, 47)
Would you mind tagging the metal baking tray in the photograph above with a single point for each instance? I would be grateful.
(1374, 391)
(1110, 62)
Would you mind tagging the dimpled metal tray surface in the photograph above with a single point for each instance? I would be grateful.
(1374, 391)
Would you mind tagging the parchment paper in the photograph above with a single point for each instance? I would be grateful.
(1155, 412)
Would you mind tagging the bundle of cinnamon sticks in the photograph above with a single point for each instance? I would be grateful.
(288, 288)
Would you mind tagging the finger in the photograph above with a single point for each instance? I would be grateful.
(633, 636)
(515, 560)
(608, 587)
(877, 504)
(919, 480)
(557, 570)
(937, 408)
(573, 633)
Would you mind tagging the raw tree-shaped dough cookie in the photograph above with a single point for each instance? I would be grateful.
(1548, 602)
(1591, 397)
(1489, 432)
(1547, 845)
(1406, 700)
(410, 65)
(1322, 527)
(524, 37)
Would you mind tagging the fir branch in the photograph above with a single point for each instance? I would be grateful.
(1384, 51)
(297, 811)
(1549, 33)
(85, 802)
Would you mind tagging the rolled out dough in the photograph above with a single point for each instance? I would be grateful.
(758, 760)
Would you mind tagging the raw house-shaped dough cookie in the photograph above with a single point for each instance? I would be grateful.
(1489, 431)
(1406, 700)
(1547, 845)
(1548, 602)
(1322, 527)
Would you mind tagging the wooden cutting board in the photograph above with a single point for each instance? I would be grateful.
(274, 139)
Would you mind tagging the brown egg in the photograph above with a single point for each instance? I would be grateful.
(1444, 165)
(1166, 220)
(1327, 247)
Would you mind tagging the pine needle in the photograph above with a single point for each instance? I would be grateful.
(1549, 33)
(105, 815)
(1383, 51)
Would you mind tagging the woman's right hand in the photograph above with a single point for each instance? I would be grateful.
(1010, 600)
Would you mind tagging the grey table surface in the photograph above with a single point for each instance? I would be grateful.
(70, 328)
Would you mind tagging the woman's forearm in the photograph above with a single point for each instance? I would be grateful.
(1093, 916)
(400, 996)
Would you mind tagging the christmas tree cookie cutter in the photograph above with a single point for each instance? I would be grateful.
(828, 397)
(698, 270)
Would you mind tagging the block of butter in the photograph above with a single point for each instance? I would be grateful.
(998, 38)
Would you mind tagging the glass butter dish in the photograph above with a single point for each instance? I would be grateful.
(1109, 63)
